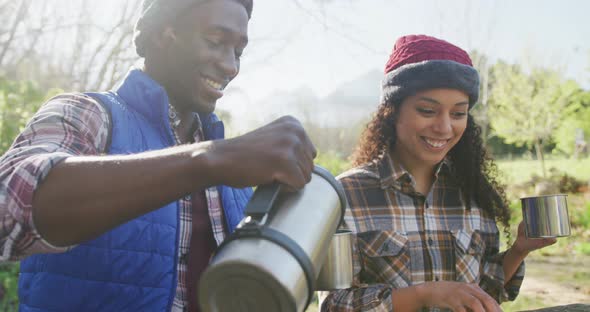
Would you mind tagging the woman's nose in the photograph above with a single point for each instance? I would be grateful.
(443, 124)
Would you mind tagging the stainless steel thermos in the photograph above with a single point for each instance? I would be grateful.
(273, 259)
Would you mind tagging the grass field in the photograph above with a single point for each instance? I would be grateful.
(518, 171)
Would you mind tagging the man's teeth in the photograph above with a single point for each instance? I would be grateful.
(213, 84)
(435, 143)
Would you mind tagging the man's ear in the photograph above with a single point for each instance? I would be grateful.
(165, 38)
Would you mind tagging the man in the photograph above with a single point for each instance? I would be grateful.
(116, 198)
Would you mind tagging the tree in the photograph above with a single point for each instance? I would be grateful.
(526, 109)
(480, 111)
(67, 44)
(576, 118)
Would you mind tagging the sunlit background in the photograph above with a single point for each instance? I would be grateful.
(316, 52)
(322, 61)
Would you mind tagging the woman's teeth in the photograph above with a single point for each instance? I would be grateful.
(435, 143)
(213, 84)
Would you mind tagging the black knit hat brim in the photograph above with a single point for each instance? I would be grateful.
(409, 79)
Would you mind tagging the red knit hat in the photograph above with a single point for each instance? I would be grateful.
(420, 62)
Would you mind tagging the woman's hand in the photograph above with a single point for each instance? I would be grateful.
(524, 245)
(457, 296)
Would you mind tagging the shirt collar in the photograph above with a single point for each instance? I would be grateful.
(445, 166)
(196, 128)
(392, 173)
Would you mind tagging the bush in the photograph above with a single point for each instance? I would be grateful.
(9, 286)
(333, 162)
(583, 248)
(19, 100)
(581, 217)
(569, 184)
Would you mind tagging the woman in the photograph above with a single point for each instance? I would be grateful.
(423, 197)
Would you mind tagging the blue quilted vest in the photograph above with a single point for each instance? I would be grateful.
(132, 267)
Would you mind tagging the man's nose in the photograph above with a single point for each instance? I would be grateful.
(229, 64)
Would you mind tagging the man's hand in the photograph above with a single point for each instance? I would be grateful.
(280, 151)
(124, 187)
(459, 297)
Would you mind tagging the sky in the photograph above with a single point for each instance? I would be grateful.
(321, 44)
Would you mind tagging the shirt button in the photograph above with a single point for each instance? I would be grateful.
(430, 241)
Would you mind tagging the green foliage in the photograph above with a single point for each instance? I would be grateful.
(19, 100)
(515, 212)
(520, 171)
(563, 182)
(497, 146)
(8, 286)
(486, 81)
(581, 217)
(526, 109)
(523, 302)
(567, 183)
(584, 249)
(576, 116)
(333, 162)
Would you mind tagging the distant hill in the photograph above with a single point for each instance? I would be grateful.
(351, 102)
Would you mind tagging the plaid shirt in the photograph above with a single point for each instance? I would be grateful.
(404, 238)
(71, 125)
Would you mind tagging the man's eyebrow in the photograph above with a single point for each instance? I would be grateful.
(228, 31)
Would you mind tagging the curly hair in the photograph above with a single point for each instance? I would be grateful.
(476, 175)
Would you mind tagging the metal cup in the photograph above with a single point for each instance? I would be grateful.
(336, 272)
(546, 216)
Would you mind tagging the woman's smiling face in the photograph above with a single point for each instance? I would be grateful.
(429, 124)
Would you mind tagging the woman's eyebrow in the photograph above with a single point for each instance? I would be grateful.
(433, 101)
